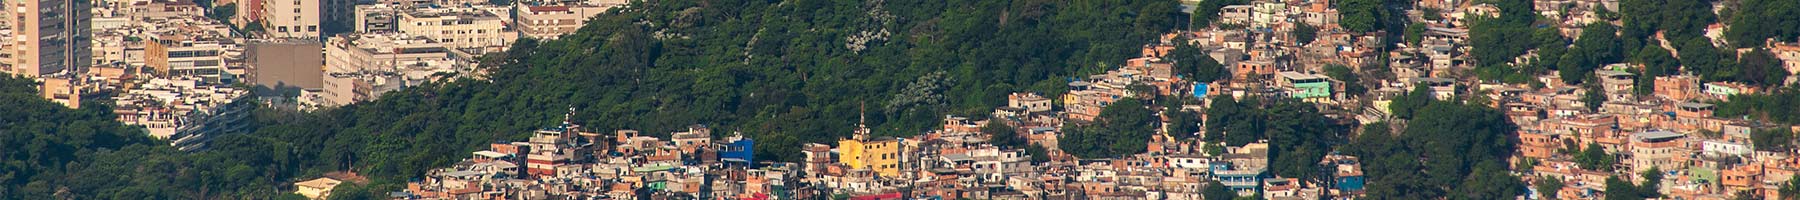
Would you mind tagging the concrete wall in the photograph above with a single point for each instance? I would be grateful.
(288, 64)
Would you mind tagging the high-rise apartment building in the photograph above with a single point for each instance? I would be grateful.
(291, 18)
(48, 36)
(337, 16)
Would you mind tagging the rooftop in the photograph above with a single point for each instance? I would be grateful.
(326, 183)
(1657, 135)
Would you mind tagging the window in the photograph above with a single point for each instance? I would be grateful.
(282, 29)
(206, 63)
(312, 28)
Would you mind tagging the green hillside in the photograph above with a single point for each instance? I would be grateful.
(781, 72)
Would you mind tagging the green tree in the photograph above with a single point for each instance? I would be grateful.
(1432, 14)
(1781, 106)
(1361, 15)
(1002, 135)
(1404, 106)
(1457, 151)
(1232, 122)
(1547, 187)
(1773, 139)
(1122, 128)
(1759, 20)
(222, 13)
(1213, 148)
(1304, 33)
(1594, 97)
(1594, 158)
(1038, 153)
(1597, 46)
(1475, 135)
(1551, 46)
(1216, 190)
(1207, 12)
(1760, 67)
(1196, 65)
(1299, 136)
(1352, 82)
(1789, 189)
(1657, 61)
(1494, 41)
(1651, 188)
(1699, 56)
(1183, 125)
(1415, 33)
(1619, 189)
(1489, 181)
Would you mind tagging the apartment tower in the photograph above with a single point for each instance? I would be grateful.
(49, 36)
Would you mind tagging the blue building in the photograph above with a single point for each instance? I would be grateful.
(1347, 175)
(740, 149)
(1350, 183)
(1241, 173)
(1200, 90)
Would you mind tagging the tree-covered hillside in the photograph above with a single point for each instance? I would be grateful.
(787, 72)
(39, 139)
(48, 151)
(783, 72)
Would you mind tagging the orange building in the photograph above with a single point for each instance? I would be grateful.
(1679, 88)
(1693, 116)
(64, 90)
(1254, 69)
(1539, 145)
(1742, 177)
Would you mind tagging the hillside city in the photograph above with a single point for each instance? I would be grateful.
(1224, 99)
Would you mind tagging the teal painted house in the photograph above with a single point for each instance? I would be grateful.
(1305, 86)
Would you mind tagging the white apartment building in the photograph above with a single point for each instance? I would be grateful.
(187, 47)
(360, 67)
(459, 27)
(551, 21)
(182, 56)
(377, 18)
(109, 48)
(291, 18)
(140, 11)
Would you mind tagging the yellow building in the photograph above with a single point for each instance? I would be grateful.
(317, 188)
(881, 155)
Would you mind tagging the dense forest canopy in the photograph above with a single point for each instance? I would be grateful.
(1448, 149)
(1631, 35)
(48, 151)
(786, 72)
